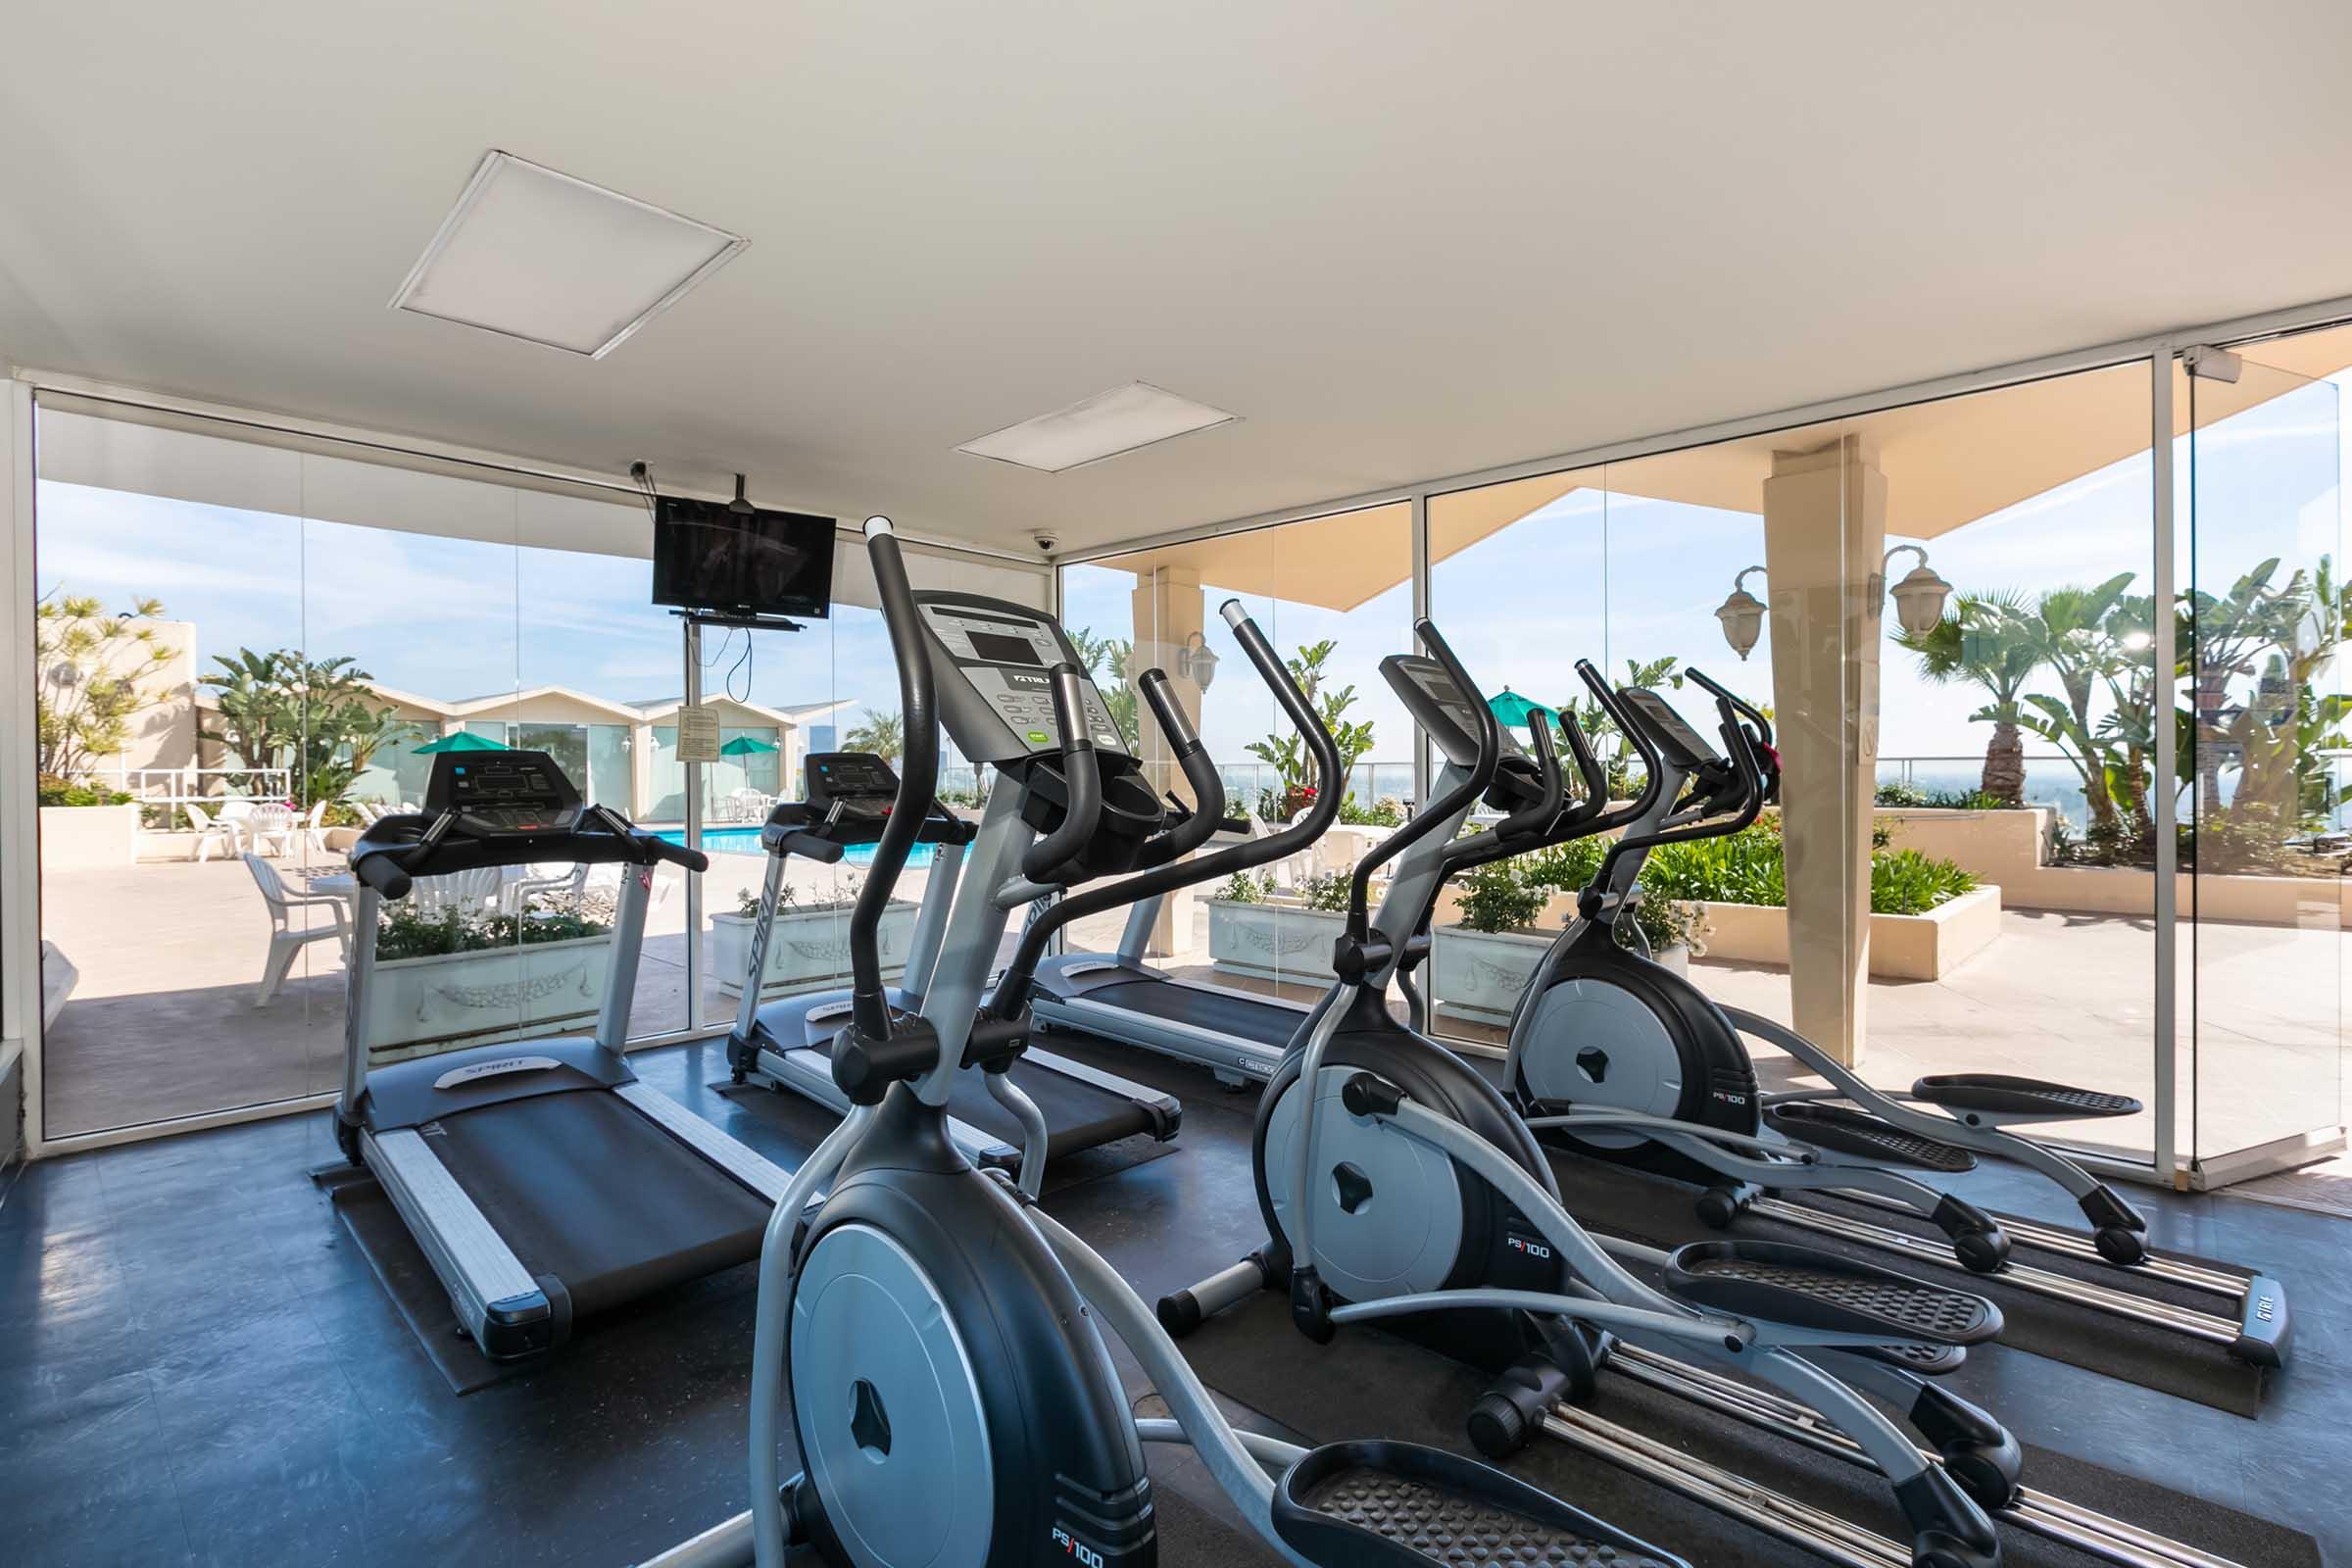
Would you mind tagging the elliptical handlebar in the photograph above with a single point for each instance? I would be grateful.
(1079, 776)
(1637, 737)
(1013, 990)
(1199, 772)
(1425, 821)
(918, 771)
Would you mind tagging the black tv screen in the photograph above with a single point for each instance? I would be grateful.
(754, 564)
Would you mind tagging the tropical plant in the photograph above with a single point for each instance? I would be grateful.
(94, 673)
(321, 721)
(1743, 867)
(747, 901)
(1105, 657)
(1287, 754)
(1564, 867)
(1982, 642)
(884, 734)
(1495, 896)
(2067, 630)
(1907, 882)
(1387, 811)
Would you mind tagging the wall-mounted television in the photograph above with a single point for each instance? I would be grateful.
(708, 557)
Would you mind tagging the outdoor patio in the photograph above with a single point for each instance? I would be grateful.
(162, 1021)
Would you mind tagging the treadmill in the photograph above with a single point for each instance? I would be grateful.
(542, 1181)
(788, 1044)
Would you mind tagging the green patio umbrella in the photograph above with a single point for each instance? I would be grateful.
(464, 740)
(747, 746)
(1512, 709)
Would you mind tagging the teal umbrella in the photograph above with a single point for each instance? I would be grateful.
(1512, 709)
(464, 740)
(746, 746)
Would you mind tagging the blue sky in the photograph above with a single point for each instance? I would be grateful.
(1609, 578)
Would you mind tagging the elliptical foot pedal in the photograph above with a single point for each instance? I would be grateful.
(1804, 1288)
(1848, 1130)
(1401, 1505)
(1926, 1360)
(1998, 1095)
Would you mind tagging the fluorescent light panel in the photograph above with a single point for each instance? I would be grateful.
(540, 255)
(1121, 420)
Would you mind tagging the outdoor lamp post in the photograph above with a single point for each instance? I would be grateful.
(1196, 662)
(1919, 600)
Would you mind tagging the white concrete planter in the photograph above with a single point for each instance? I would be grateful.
(1902, 947)
(1477, 976)
(420, 1007)
(809, 950)
(82, 838)
(1272, 940)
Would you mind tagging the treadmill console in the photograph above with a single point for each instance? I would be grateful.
(501, 793)
(1446, 713)
(1682, 746)
(996, 691)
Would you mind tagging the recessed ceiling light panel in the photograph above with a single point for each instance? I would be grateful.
(1121, 420)
(541, 256)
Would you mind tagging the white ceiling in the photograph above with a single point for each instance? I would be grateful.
(1402, 240)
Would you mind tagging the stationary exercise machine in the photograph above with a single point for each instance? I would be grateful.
(1399, 1186)
(936, 1335)
(541, 1179)
(1619, 1059)
(786, 1044)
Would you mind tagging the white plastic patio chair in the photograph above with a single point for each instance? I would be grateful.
(274, 829)
(211, 835)
(469, 893)
(285, 937)
(516, 897)
(314, 831)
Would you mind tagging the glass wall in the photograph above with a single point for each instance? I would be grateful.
(1334, 595)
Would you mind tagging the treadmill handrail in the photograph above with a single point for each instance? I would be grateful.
(919, 774)
(396, 849)
(1012, 991)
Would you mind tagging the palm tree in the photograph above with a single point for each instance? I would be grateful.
(2068, 630)
(882, 734)
(1981, 643)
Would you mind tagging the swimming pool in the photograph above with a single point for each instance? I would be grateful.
(746, 841)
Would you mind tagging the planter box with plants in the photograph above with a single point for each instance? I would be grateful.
(455, 979)
(1256, 932)
(84, 828)
(809, 947)
(1480, 963)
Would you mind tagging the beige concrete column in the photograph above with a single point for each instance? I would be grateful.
(1825, 526)
(1169, 609)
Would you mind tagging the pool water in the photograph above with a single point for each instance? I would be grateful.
(746, 841)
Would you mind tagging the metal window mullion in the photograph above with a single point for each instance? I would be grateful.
(691, 636)
(19, 818)
(2164, 694)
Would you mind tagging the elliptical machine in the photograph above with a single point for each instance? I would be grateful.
(934, 1333)
(1618, 1058)
(1398, 1185)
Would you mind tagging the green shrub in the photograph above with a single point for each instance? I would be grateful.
(55, 791)
(1244, 888)
(747, 903)
(1663, 923)
(1387, 811)
(406, 932)
(1907, 882)
(1328, 892)
(1564, 867)
(1496, 898)
(1901, 793)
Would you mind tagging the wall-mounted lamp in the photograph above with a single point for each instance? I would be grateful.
(1743, 616)
(1196, 662)
(1919, 600)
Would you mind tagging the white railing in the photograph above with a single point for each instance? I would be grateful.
(181, 786)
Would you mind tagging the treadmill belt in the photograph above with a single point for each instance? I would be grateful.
(1078, 1115)
(587, 1190)
(1261, 1023)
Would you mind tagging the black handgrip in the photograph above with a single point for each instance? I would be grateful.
(1437, 812)
(1736, 704)
(661, 849)
(1538, 816)
(382, 872)
(1081, 816)
(1588, 766)
(918, 773)
(799, 840)
(1201, 774)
